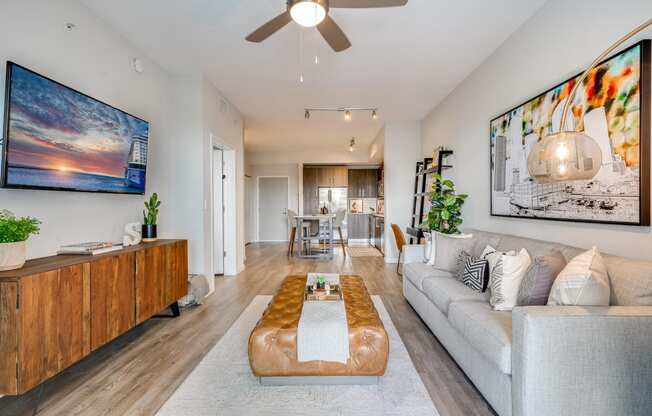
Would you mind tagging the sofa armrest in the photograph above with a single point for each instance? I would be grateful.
(413, 253)
(571, 360)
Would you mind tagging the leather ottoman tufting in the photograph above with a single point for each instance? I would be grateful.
(273, 342)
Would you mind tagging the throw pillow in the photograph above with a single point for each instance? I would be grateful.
(492, 255)
(506, 279)
(536, 285)
(476, 273)
(461, 262)
(447, 249)
(583, 282)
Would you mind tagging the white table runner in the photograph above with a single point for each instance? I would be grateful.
(323, 331)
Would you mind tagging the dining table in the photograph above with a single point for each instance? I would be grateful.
(324, 235)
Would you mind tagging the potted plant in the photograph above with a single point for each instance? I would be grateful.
(445, 214)
(150, 214)
(14, 233)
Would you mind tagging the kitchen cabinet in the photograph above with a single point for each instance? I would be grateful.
(378, 234)
(310, 191)
(363, 183)
(358, 226)
(333, 176)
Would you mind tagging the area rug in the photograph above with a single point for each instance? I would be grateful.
(222, 384)
(364, 252)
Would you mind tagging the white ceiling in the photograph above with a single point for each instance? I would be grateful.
(403, 60)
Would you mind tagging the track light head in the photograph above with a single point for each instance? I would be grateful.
(307, 115)
(347, 115)
(374, 114)
(352, 145)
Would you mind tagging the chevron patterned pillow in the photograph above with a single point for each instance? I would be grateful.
(476, 273)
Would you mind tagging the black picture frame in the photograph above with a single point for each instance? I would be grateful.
(4, 141)
(644, 146)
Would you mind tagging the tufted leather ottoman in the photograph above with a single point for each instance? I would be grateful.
(273, 342)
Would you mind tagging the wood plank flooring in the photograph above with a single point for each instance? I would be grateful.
(137, 372)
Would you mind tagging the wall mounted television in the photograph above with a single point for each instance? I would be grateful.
(57, 138)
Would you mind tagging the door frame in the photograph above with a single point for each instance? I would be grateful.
(230, 214)
(258, 206)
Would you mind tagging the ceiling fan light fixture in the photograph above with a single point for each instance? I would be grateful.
(308, 13)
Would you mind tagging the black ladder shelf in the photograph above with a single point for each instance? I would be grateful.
(420, 193)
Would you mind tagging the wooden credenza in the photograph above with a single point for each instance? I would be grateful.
(56, 310)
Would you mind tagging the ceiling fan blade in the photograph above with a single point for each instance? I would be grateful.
(269, 28)
(365, 4)
(333, 34)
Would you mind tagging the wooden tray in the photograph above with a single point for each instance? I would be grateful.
(334, 294)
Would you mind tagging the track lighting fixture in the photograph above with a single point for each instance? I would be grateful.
(352, 145)
(348, 112)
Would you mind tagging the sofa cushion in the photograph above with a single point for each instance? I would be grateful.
(488, 331)
(631, 281)
(442, 292)
(417, 272)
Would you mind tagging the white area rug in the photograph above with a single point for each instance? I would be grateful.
(222, 384)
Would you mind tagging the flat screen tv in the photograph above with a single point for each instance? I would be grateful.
(57, 138)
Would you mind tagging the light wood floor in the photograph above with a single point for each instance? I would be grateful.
(137, 372)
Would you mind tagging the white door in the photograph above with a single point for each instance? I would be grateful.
(273, 209)
(218, 209)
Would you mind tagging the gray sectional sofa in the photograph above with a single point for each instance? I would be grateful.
(543, 360)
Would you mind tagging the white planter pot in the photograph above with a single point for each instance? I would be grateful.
(12, 255)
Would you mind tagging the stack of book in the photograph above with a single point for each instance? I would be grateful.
(89, 249)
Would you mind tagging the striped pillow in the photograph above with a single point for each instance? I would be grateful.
(476, 273)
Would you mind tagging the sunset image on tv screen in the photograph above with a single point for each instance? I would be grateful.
(61, 139)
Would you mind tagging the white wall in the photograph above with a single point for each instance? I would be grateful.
(556, 43)
(291, 170)
(182, 111)
(94, 60)
(402, 147)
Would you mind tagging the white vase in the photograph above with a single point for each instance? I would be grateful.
(12, 255)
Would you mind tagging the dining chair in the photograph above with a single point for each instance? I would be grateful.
(292, 226)
(339, 219)
(400, 242)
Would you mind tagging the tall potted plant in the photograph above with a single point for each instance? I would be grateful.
(14, 233)
(150, 217)
(445, 214)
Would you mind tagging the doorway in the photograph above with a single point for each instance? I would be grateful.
(218, 209)
(273, 204)
(223, 250)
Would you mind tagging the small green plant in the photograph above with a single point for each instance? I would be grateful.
(321, 281)
(14, 230)
(445, 214)
(150, 213)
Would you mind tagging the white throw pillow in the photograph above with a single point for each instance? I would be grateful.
(492, 255)
(583, 282)
(433, 237)
(506, 277)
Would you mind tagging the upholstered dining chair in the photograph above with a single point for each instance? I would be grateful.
(400, 242)
(337, 225)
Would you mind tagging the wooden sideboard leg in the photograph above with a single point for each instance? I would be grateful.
(175, 309)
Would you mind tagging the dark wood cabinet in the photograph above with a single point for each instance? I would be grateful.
(332, 176)
(56, 310)
(363, 183)
(310, 191)
(358, 226)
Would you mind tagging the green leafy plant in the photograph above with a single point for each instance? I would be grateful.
(445, 214)
(14, 230)
(150, 213)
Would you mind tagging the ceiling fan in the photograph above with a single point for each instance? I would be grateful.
(311, 13)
